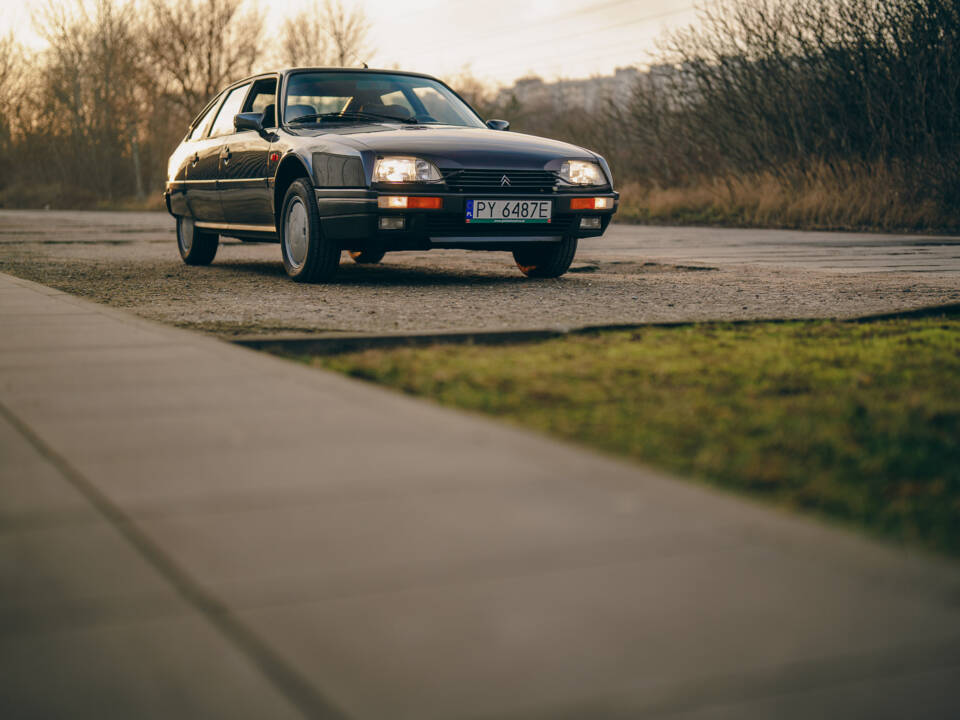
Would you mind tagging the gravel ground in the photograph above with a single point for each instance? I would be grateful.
(129, 261)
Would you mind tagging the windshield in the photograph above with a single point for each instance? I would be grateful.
(366, 97)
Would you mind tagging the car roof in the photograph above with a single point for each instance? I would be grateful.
(291, 70)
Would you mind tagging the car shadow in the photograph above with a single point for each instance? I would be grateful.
(351, 274)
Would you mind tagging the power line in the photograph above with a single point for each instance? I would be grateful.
(595, 7)
(608, 51)
(582, 33)
(415, 13)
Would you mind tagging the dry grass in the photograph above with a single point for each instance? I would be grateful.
(823, 199)
(55, 196)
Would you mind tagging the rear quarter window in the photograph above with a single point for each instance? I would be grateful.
(223, 125)
(202, 123)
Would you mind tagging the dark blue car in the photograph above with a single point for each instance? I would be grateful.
(324, 160)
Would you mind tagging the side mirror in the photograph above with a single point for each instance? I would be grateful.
(248, 121)
(498, 124)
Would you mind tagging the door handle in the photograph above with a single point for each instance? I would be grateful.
(196, 159)
(226, 154)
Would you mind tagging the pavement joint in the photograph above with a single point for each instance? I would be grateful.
(285, 678)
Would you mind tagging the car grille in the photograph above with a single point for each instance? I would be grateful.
(518, 181)
(454, 225)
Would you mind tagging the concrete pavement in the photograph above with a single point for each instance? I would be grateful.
(192, 529)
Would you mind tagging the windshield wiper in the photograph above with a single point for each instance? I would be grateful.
(350, 115)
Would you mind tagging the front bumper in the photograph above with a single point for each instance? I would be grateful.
(353, 217)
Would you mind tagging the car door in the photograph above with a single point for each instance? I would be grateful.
(244, 157)
(200, 199)
(204, 168)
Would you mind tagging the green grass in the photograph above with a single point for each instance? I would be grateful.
(859, 422)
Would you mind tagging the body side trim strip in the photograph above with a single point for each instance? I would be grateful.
(237, 227)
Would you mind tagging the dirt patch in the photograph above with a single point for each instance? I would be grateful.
(239, 328)
(615, 281)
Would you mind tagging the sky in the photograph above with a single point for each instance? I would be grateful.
(496, 40)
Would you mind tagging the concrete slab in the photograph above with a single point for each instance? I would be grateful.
(79, 574)
(32, 490)
(299, 539)
(63, 331)
(165, 668)
(919, 696)
(625, 638)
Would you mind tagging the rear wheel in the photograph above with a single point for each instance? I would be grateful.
(197, 247)
(367, 257)
(546, 261)
(308, 256)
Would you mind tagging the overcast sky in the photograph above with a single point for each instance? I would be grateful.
(497, 40)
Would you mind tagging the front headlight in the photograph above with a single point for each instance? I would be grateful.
(397, 169)
(580, 172)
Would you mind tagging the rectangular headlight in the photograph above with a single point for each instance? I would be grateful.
(582, 172)
(402, 169)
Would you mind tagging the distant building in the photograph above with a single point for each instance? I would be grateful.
(588, 93)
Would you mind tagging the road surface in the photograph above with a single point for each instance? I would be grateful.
(634, 274)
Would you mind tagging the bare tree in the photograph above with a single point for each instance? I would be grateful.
(198, 46)
(348, 31)
(480, 95)
(12, 73)
(789, 87)
(326, 34)
(88, 84)
(12, 62)
(304, 39)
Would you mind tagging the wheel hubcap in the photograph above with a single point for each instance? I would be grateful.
(185, 233)
(295, 233)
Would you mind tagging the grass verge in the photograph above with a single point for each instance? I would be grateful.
(859, 422)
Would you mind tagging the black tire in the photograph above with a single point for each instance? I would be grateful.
(367, 257)
(546, 261)
(308, 256)
(197, 247)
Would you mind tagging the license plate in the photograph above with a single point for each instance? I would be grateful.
(509, 211)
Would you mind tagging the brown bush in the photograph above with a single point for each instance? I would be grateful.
(836, 113)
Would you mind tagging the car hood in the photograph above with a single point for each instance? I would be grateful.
(452, 147)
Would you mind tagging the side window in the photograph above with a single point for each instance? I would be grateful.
(263, 95)
(202, 123)
(223, 125)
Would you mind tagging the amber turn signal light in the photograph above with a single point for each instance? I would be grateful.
(600, 203)
(403, 202)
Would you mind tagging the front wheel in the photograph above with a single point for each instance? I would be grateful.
(197, 247)
(308, 256)
(546, 261)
